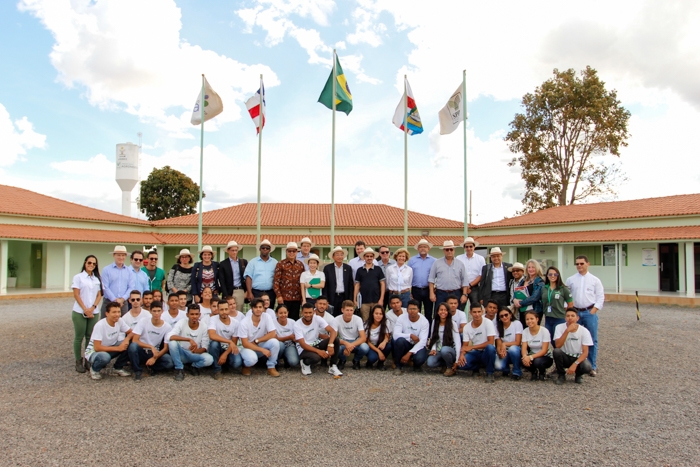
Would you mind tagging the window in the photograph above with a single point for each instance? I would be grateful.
(593, 252)
(524, 254)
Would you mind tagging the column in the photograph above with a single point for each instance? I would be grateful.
(161, 259)
(690, 269)
(4, 249)
(66, 268)
(560, 258)
(512, 254)
(682, 273)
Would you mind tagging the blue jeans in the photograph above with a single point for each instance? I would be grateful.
(550, 325)
(590, 322)
(289, 353)
(360, 351)
(99, 360)
(484, 358)
(373, 357)
(401, 346)
(250, 357)
(138, 356)
(233, 360)
(405, 297)
(181, 354)
(512, 357)
(446, 354)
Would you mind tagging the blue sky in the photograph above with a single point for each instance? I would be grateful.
(81, 77)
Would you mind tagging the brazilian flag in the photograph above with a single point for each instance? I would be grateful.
(343, 96)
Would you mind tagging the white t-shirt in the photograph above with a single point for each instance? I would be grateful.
(330, 319)
(349, 332)
(510, 334)
(248, 330)
(88, 287)
(456, 343)
(106, 334)
(309, 333)
(306, 276)
(204, 310)
(227, 331)
(287, 329)
(132, 320)
(391, 319)
(150, 334)
(270, 312)
(405, 327)
(574, 340)
(458, 319)
(374, 335)
(172, 321)
(239, 316)
(199, 335)
(535, 342)
(479, 335)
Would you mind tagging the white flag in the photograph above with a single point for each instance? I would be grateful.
(452, 114)
(212, 105)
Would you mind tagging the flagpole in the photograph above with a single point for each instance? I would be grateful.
(260, 126)
(201, 165)
(464, 106)
(405, 164)
(335, 79)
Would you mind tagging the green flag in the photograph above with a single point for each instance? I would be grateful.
(343, 97)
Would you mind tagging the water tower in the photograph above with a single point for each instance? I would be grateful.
(127, 172)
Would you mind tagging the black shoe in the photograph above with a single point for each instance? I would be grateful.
(578, 379)
(489, 379)
(560, 380)
(505, 374)
(341, 365)
(194, 371)
(533, 376)
(137, 376)
(179, 375)
(515, 377)
(370, 365)
(417, 369)
(380, 366)
(79, 367)
(151, 371)
(355, 365)
(541, 377)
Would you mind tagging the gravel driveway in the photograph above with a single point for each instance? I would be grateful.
(642, 409)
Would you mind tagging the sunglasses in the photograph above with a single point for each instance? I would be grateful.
(580, 264)
(264, 247)
(448, 249)
(552, 274)
(138, 260)
(90, 263)
(152, 258)
(503, 315)
(383, 252)
(134, 299)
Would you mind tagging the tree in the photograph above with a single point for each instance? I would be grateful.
(569, 123)
(168, 193)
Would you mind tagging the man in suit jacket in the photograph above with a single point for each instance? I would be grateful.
(338, 290)
(231, 275)
(495, 278)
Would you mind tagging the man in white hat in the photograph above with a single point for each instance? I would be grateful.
(495, 279)
(447, 277)
(370, 282)
(260, 274)
(358, 261)
(231, 273)
(340, 282)
(473, 264)
(287, 283)
(421, 264)
(117, 281)
(305, 246)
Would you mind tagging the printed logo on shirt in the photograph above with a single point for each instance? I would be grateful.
(112, 334)
(572, 338)
(478, 334)
(155, 333)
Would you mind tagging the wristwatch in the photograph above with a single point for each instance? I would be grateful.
(257, 341)
(331, 345)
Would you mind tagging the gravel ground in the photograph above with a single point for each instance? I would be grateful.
(642, 409)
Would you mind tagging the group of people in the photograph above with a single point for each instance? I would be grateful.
(394, 310)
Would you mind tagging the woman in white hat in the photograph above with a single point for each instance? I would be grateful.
(205, 273)
(312, 280)
(180, 275)
(517, 270)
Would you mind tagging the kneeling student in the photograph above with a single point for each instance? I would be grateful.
(311, 348)
(285, 336)
(571, 354)
(259, 338)
(351, 333)
(444, 342)
(508, 338)
(188, 343)
(147, 337)
(173, 314)
(536, 348)
(105, 345)
(478, 349)
(410, 335)
(378, 338)
(459, 318)
(223, 340)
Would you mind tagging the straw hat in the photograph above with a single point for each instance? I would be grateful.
(230, 244)
(470, 240)
(448, 244)
(314, 257)
(307, 240)
(423, 242)
(119, 249)
(184, 252)
(495, 251)
(517, 266)
(336, 250)
(267, 242)
(292, 246)
(369, 251)
(206, 248)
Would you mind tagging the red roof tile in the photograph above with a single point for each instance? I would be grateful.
(314, 215)
(282, 240)
(23, 202)
(679, 205)
(33, 232)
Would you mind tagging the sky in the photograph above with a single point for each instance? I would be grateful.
(80, 77)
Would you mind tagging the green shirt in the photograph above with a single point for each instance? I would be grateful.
(558, 299)
(155, 278)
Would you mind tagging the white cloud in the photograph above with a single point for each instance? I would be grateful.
(129, 55)
(96, 167)
(17, 137)
(367, 29)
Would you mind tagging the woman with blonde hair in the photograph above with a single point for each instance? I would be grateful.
(399, 276)
(534, 282)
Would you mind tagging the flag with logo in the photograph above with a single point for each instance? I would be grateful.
(452, 114)
(211, 103)
(408, 114)
(343, 96)
(256, 106)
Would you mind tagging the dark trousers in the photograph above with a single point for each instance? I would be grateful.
(271, 293)
(564, 361)
(139, 356)
(311, 358)
(473, 298)
(336, 301)
(539, 364)
(502, 298)
(422, 294)
(293, 307)
(400, 346)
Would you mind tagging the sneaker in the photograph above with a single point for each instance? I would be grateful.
(515, 377)
(245, 371)
(122, 372)
(137, 376)
(488, 379)
(560, 380)
(273, 372)
(449, 372)
(593, 373)
(95, 374)
(341, 365)
(79, 366)
(194, 371)
(179, 375)
(305, 369)
(333, 370)
(217, 376)
(355, 365)
(578, 379)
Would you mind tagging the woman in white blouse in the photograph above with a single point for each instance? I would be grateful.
(536, 351)
(87, 290)
(444, 342)
(399, 277)
(510, 333)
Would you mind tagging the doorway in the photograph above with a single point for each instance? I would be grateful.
(668, 267)
(35, 262)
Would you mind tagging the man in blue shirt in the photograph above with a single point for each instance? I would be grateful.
(141, 280)
(260, 273)
(421, 265)
(117, 281)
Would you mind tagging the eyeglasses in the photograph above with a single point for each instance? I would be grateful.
(138, 260)
(580, 264)
(448, 249)
(264, 247)
(552, 274)
(90, 263)
(134, 299)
